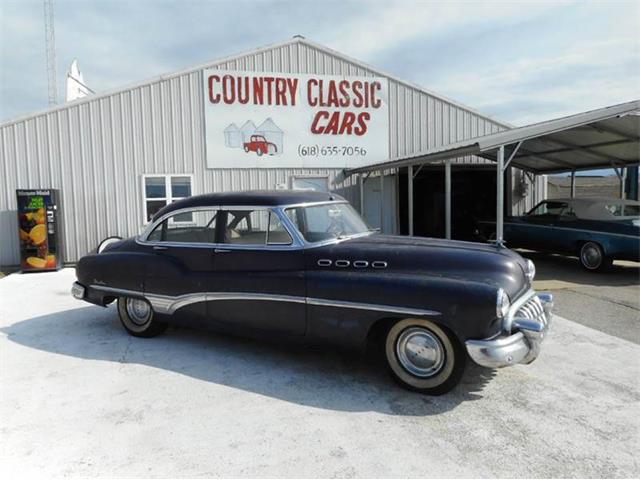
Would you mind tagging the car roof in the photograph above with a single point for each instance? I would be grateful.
(254, 198)
(594, 200)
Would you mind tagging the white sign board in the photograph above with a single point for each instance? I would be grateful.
(274, 120)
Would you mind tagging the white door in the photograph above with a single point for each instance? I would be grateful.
(372, 203)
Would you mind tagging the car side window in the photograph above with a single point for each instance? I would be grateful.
(201, 228)
(255, 227)
(548, 209)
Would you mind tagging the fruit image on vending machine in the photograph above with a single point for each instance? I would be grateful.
(38, 228)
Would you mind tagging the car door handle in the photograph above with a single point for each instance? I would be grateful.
(221, 250)
(159, 247)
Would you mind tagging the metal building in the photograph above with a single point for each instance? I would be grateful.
(117, 157)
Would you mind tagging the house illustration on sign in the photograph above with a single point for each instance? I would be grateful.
(272, 133)
(268, 138)
(232, 136)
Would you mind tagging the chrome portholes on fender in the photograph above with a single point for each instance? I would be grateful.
(344, 263)
(137, 317)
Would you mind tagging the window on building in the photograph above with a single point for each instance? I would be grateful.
(200, 229)
(255, 227)
(161, 190)
(315, 184)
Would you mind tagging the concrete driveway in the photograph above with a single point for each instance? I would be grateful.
(82, 398)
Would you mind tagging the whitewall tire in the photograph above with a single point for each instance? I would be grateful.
(137, 317)
(423, 357)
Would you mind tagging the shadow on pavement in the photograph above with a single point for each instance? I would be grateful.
(307, 376)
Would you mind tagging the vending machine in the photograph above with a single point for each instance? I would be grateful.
(40, 247)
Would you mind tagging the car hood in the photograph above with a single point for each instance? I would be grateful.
(468, 261)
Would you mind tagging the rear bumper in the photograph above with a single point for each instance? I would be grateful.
(78, 291)
(523, 341)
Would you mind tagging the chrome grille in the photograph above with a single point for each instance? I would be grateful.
(532, 309)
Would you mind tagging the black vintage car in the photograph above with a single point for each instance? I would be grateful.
(304, 265)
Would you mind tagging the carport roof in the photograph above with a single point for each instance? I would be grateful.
(603, 138)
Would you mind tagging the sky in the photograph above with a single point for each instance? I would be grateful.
(517, 61)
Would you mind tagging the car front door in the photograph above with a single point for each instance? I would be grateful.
(259, 274)
(179, 273)
(537, 230)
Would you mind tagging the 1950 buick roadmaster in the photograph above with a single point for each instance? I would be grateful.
(305, 265)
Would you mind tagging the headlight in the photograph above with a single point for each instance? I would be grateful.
(531, 270)
(502, 303)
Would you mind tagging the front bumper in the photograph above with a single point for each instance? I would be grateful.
(526, 327)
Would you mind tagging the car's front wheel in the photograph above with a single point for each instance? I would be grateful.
(137, 318)
(593, 258)
(423, 357)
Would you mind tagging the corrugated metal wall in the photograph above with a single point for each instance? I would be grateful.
(96, 151)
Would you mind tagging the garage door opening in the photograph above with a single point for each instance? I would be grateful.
(473, 198)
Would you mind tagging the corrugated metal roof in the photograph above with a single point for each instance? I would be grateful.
(295, 40)
(602, 138)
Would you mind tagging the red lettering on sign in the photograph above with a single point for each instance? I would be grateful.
(213, 98)
(292, 83)
(375, 102)
(314, 125)
(311, 100)
(357, 92)
(244, 99)
(228, 92)
(361, 129)
(258, 91)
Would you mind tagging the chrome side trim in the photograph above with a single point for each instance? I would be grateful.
(169, 304)
(342, 263)
(361, 264)
(370, 306)
(324, 262)
(584, 230)
(379, 264)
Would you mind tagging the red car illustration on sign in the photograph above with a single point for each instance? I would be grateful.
(260, 145)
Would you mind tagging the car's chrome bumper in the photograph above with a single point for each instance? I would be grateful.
(526, 327)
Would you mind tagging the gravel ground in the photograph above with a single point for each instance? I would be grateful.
(81, 398)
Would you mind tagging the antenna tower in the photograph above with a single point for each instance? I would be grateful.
(50, 46)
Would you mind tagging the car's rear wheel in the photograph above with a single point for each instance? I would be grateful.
(246, 149)
(593, 258)
(137, 318)
(259, 151)
(424, 357)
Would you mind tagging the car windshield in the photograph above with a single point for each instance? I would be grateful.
(328, 221)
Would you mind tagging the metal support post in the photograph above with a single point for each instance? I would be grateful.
(381, 200)
(573, 184)
(623, 181)
(447, 204)
(410, 198)
(361, 188)
(500, 196)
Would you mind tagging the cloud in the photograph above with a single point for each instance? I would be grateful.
(517, 61)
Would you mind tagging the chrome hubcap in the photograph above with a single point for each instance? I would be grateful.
(139, 311)
(591, 256)
(420, 352)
